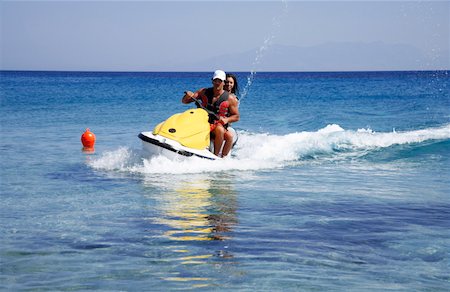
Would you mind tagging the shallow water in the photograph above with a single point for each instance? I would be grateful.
(340, 181)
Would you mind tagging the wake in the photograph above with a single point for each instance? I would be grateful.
(267, 151)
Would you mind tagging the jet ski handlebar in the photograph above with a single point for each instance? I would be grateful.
(210, 113)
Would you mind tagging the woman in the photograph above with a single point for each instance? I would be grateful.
(231, 85)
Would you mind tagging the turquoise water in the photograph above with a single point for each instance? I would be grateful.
(339, 181)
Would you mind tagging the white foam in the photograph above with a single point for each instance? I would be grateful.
(267, 151)
(119, 159)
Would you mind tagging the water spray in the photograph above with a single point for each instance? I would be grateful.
(268, 41)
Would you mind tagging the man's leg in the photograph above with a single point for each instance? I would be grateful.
(228, 137)
(219, 133)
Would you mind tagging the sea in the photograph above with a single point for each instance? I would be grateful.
(340, 181)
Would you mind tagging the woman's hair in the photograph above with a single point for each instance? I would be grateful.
(235, 88)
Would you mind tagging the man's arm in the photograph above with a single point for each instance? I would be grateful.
(188, 95)
(233, 110)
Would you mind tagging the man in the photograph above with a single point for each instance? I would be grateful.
(223, 104)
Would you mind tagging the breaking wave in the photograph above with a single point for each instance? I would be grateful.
(268, 151)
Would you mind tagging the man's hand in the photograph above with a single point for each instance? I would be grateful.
(187, 98)
(223, 120)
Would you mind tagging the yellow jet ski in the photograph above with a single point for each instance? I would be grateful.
(183, 134)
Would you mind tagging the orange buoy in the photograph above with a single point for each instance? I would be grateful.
(88, 139)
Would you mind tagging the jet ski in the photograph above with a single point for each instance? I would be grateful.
(184, 134)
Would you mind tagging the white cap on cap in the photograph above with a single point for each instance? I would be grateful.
(219, 74)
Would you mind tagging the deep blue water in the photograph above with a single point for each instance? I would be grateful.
(339, 181)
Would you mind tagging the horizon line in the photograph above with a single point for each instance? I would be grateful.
(237, 71)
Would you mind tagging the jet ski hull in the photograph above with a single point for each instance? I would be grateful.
(155, 145)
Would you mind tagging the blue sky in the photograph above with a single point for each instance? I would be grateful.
(245, 35)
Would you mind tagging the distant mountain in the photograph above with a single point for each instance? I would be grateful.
(326, 57)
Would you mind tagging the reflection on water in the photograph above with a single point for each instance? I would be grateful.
(198, 211)
(195, 211)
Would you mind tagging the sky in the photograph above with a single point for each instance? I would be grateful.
(241, 35)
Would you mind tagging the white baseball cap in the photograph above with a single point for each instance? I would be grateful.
(219, 74)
